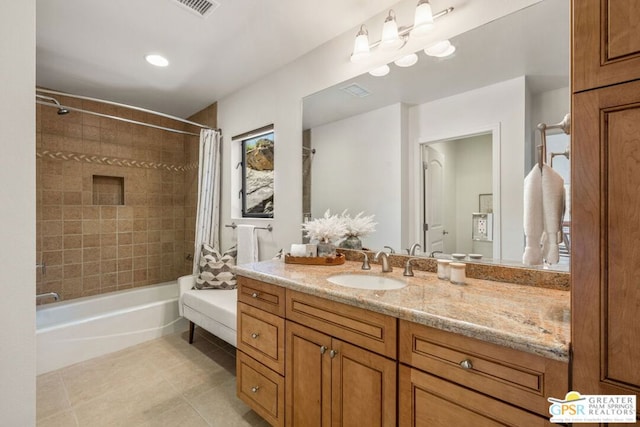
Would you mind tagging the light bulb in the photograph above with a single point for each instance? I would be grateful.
(423, 21)
(407, 61)
(440, 49)
(361, 45)
(390, 38)
(380, 71)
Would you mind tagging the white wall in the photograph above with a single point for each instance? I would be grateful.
(368, 146)
(546, 107)
(17, 216)
(473, 167)
(501, 106)
(277, 99)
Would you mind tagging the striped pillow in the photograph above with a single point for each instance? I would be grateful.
(216, 271)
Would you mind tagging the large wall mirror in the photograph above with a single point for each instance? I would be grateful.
(446, 139)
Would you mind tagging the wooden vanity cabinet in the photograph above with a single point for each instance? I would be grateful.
(332, 383)
(329, 381)
(449, 379)
(261, 344)
(605, 197)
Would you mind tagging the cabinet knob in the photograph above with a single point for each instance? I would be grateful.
(255, 335)
(255, 294)
(255, 389)
(323, 349)
(466, 364)
(333, 353)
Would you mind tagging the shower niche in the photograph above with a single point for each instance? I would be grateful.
(108, 190)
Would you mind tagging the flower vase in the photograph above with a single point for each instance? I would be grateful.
(326, 249)
(351, 242)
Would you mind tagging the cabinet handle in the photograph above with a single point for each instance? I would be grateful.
(255, 335)
(333, 353)
(255, 389)
(255, 294)
(466, 364)
(323, 349)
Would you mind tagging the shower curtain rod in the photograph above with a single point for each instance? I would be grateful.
(117, 104)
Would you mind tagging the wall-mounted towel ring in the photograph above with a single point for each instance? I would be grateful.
(565, 125)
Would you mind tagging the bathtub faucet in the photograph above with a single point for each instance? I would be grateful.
(53, 295)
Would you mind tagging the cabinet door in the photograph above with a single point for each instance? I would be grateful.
(606, 42)
(427, 401)
(363, 387)
(605, 258)
(308, 377)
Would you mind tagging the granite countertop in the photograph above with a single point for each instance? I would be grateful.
(526, 318)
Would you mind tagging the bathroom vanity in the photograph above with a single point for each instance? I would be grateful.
(311, 352)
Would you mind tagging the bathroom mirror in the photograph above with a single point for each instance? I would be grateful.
(366, 140)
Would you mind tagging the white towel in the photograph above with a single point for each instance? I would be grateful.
(553, 211)
(247, 244)
(533, 218)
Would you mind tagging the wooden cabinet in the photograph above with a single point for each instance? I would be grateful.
(332, 383)
(606, 260)
(261, 343)
(456, 380)
(427, 401)
(340, 383)
(605, 165)
(606, 43)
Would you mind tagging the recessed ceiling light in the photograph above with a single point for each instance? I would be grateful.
(157, 60)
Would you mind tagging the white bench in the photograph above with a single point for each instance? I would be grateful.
(212, 309)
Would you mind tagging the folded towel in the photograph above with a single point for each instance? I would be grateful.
(553, 211)
(533, 218)
(247, 244)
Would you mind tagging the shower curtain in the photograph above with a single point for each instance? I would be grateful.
(208, 211)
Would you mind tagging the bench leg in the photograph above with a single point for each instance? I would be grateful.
(192, 327)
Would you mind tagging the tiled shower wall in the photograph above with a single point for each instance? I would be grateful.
(90, 247)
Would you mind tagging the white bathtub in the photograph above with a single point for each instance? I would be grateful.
(69, 332)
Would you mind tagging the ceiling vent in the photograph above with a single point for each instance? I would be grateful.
(356, 90)
(201, 8)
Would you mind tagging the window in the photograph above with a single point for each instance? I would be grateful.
(257, 173)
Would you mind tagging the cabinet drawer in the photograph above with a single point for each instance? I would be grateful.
(261, 336)
(373, 331)
(426, 400)
(261, 389)
(517, 377)
(262, 295)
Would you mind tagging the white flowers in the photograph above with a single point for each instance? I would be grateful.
(359, 225)
(333, 227)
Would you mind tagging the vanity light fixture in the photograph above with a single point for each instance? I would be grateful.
(361, 45)
(390, 38)
(394, 37)
(423, 20)
(157, 60)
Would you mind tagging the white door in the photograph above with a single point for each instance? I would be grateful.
(433, 226)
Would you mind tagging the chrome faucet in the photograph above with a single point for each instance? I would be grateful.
(414, 248)
(391, 251)
(365, 261)
(386, 268)
(408, 271)
(433, 254)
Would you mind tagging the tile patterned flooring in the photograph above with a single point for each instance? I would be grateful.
(163, 382)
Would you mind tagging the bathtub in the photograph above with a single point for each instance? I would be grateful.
(69, 332)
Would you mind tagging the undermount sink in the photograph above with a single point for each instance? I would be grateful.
(366, 281)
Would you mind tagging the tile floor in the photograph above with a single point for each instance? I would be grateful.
(164, 382)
